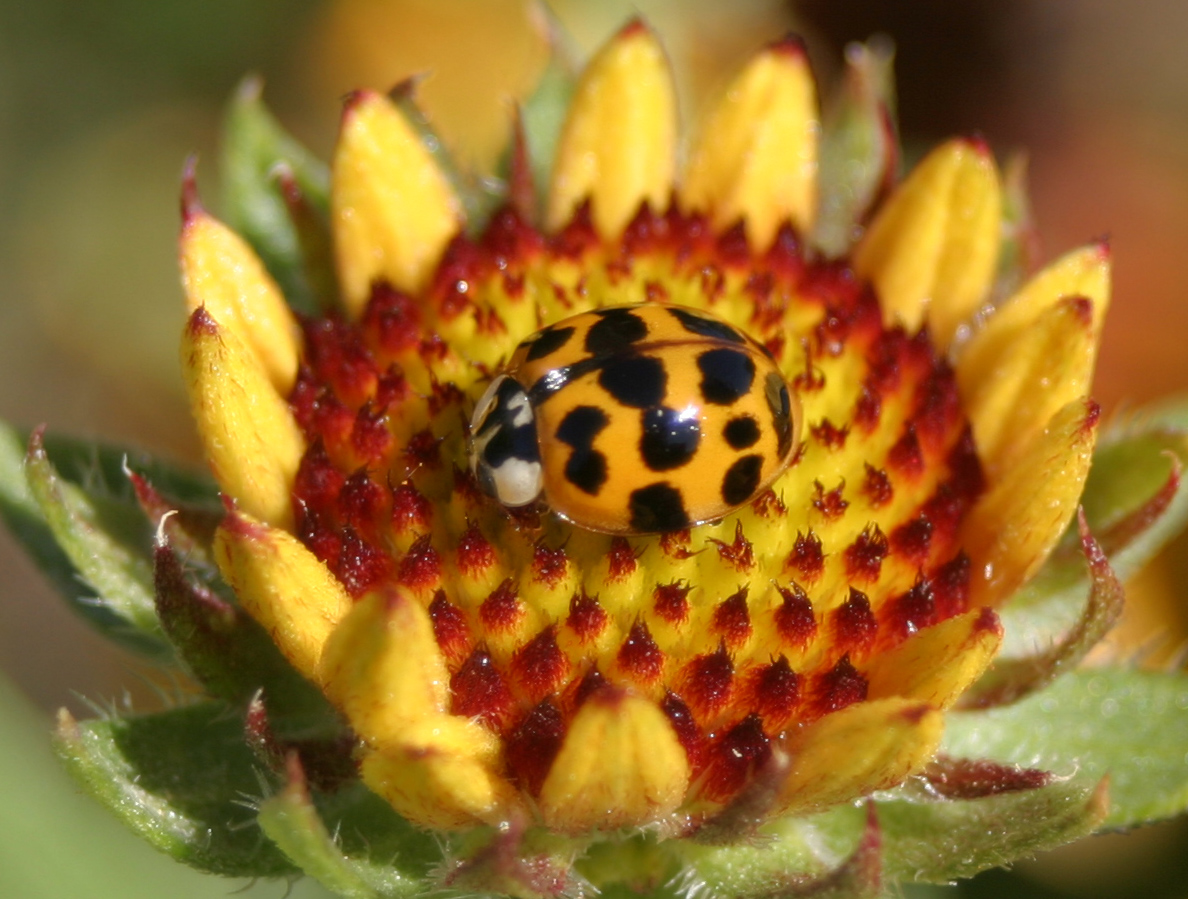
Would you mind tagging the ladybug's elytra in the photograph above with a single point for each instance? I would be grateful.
(634, 420)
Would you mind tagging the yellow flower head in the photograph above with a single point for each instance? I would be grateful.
(502, 664)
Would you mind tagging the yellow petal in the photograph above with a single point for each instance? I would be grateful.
(383, 668)
(937, 665)
(756, 159)
(618, 144)
(867, 746)
(1037, 371)
(283, 586)
(931, 251)
(1038, 339)
(251, 441)
(620, 764)
(221, 272)
(393, 210)
(1013, 527)
(442, 775)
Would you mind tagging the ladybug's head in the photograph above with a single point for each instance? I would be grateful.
(504, 453)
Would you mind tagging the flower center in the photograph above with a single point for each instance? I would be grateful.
(741, 629)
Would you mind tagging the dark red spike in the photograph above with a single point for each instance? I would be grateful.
(319, 482)
(621, 560)
(423, 450)
(864, 557)
(687, 731)
(501, 612)
(533, 744)
(738, 555)
(733, 757)
(639, 657)
(411, 512)
(362, 504)
(477, 690)
(950, 587)
(392, 320)
(906, 458)
(707, 683)
(362, 566)
(539, 667)
(475, 555)
(876, 487)
(912, 539)
(840, 686)
(911, 612)
(868, 408)
(829, 435)
(794, 618)
(319, 534)
(420, 569)
(853, 623)
(587, 619)
(670, 602)
(732, 620)
(675, 545)
(807, 559)
(450, 629)
(549, 566)
(830, 503)
(775, 693)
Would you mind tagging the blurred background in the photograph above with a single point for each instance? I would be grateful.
(101, 102)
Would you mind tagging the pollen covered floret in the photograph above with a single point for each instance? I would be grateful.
(653, 510)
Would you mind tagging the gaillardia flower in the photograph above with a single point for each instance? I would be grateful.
(766, 442)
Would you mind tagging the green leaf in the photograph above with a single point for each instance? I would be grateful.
(859, 148)
(106, 544)
(1128, 724)
(376, 856)
(256, 149)
(181, 779)
(941, 841)
(544, 110)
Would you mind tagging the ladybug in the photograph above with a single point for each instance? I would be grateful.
(637, 419)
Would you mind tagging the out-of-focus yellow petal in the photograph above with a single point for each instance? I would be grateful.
(282, 585)
(383, 668)
(250, 439)
(619, 141)
(1010, 531)
(620, 763)
(221, 272)
(864, 747)
(1039, 370)
(393, 210)
(442, 775)
(756, 158)
(932, 249)
(938, 664)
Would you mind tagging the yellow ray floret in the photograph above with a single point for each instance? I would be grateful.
(283, 586)
(756, 159)
(1010, 531)
(1039, 370)
(865, 747)
(382, 666)
(937, 665)
(618, 145)
(1007, 365)
(221, 272)
(931, 251)
(393, 210)
(249, 436)
(442, 775)
(621, 763)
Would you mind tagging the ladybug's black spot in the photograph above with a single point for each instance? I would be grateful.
(614, 332)
(741, 432)
(657, 508)
(669, 439)
(742, 480)
(547, 342)
(726, 375)
(780, 404)
(704, 326)
(636, 381)
(586, 468)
